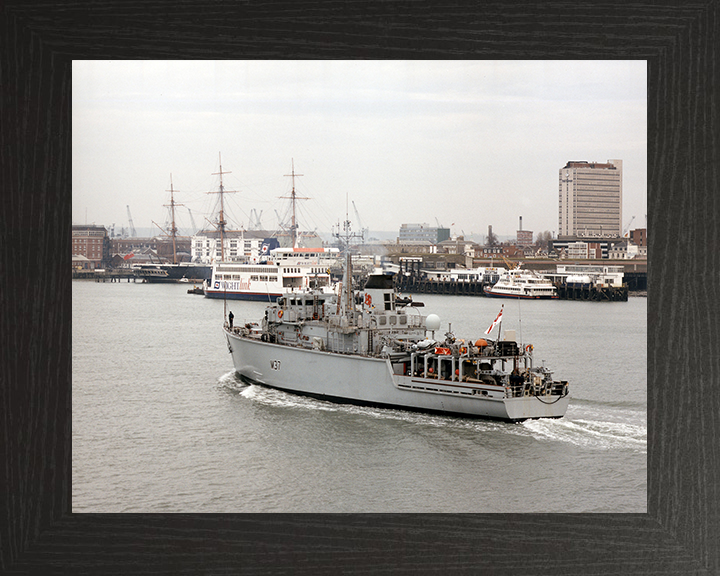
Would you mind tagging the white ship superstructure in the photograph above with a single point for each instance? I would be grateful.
(285, 270)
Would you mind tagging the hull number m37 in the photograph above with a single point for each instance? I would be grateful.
(275, 364)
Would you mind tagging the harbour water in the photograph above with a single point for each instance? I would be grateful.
(160, 423)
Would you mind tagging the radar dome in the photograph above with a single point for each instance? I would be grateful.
(432, 322)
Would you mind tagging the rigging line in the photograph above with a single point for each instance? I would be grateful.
(520, 322)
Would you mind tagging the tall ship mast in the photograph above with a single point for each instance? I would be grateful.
(278, 270)
(173, 228)
(221, 223)
(176, 271)
(293, 197)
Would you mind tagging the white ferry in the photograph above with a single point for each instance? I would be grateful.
(285, 270)
(517, 283)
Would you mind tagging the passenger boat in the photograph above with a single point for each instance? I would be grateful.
(286, 270)
(181, 272)
(370, 348)
(518, 283)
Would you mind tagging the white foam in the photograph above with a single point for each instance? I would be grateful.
(597, 434)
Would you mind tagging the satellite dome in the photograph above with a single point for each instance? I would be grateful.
(432, 322)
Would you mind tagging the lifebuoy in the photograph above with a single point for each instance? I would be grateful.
(280, 313)
(529, 348)
(368, 300)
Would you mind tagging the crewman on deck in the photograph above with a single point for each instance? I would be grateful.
(230, 319)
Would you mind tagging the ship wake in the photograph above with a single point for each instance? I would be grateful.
(593, 434)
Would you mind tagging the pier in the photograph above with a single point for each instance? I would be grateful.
(614, 285)
(416, 285)
(102, 275)
(593, 293)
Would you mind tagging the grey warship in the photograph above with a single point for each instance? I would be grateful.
(369, 347)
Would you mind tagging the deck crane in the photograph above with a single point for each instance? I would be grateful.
(132, 226)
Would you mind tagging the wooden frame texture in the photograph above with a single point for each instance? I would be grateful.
(681, 531)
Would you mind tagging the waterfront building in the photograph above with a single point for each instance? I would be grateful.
(626, 250)
(410, 247)
(639, 237)
(593, 248)
(523, 238)
(422, 233)
(499, 250)
(590, 199)
(459, 246)
(244, 245)
(161, 246)
(129, 244)
(92, 243)
(239, 246)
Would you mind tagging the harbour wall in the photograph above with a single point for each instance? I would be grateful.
(414, 285)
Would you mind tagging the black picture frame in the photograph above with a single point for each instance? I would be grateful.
(38, 532)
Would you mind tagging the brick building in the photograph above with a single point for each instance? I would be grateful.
(91, 242)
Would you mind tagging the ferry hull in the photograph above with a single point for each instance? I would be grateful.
(254, 296)
(368, 381)
(519, 296)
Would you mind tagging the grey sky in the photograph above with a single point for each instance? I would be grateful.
(470, 143)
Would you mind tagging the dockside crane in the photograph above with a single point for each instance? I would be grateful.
(192, 221)
(281, 223)
(625, 230)
(132, 226)
(363, 231)
(255, 220)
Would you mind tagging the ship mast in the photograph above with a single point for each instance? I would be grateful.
(347, 300)
(293, 197)
(173, 229)
(221, 219)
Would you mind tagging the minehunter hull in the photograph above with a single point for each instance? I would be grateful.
(360, 380)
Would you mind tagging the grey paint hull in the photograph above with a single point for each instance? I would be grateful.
(364, 380)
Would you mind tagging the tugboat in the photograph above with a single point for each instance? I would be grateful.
(372, 349)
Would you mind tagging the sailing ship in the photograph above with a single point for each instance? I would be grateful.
(370, 348)
(172, 271)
